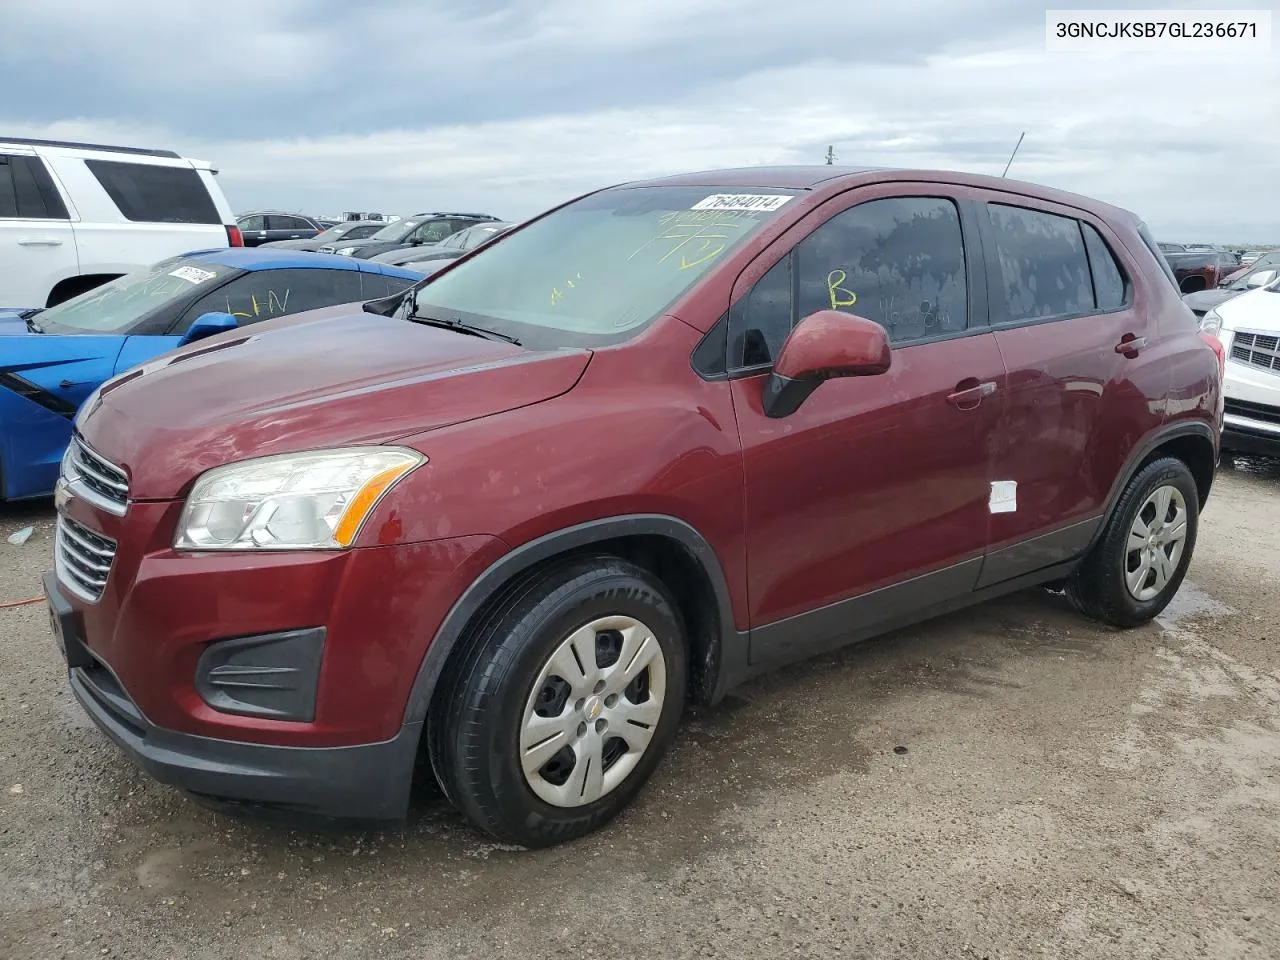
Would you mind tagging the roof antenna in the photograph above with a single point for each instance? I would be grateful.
(1015, 152)
(831, 154)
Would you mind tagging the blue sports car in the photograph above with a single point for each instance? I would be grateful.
(51, 360)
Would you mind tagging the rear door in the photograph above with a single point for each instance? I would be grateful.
(871, 500)
(37, 244)
(253, 229)
(1063, 311)
(281, 227)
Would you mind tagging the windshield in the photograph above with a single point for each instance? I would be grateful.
(398, 230)
(117, 306)
(336, 232)
(596, 270)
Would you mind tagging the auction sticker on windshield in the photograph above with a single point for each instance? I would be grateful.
(767, 202)
(192, 274)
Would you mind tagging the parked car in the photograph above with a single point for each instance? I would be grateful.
(1203, 301)
(1250, 256)
(1249, 327)
(267, 226)
(349, 230)
(51, 359)
(75, 215)
(420, 229)
(652, 443)
(1166, 247)
(449, 248)
(1271, 259)
(1196, 271)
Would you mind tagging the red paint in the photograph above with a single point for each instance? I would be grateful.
(831, 343)
(872, 480)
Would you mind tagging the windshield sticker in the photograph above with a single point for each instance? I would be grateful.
(192, 274)
(763, 202)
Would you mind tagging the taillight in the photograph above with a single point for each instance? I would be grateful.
(234, 237)
(1218, 349)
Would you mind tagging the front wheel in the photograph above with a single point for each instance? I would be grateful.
(567, 695)
(1137, 566)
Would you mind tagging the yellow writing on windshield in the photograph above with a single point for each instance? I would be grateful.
(557, 294)
(275, 305)
(696, 235)
(840, 296)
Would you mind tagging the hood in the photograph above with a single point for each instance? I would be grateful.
(411, 255)
(365, 249)
(294, 244)
(306, 383)
(1254, 310)
(1202, 301)
(11, 322)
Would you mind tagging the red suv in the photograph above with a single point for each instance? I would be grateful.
(645, 446)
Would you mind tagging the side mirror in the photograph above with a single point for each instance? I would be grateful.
(207, 324)
(1260, 279)
(824, 345)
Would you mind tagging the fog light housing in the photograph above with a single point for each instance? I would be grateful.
(274, 675)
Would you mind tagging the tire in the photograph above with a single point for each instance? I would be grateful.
(1100, 587)
(505, 700)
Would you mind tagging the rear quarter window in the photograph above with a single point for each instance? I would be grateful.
(1042, 263)
(152, 193)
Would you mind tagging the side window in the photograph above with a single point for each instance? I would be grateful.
(27, 190)
(154, 193)
(255, 222)
(8, 198)
(360, 233)
(433, 231)
(760, 321)
(262, 294)
(897, 261)
(376, 285)
(1108, 279)
(1042, 262)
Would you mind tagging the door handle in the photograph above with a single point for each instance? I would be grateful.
(39, 242)
(1130, 345)
(969, 393)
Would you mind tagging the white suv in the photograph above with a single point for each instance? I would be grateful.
(1249, 328)
(75, 215)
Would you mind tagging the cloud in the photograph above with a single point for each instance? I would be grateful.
(513, 106)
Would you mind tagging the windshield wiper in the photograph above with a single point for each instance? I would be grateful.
(460, 327)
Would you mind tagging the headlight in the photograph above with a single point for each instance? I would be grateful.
(345, 251)
(303, 501)
(1211, 322)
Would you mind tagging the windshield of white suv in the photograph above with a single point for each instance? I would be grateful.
(595, 271)
(119, 304)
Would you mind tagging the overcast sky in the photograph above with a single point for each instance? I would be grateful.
(509, 106)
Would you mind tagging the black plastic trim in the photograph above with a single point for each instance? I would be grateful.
(274, 675)
(1143, 449)
(1237, 440)
(37, 394)
(710, 357)
(839, 623)
(527, 555)
(1027, 556)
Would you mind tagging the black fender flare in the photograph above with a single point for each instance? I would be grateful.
(1141, 451)
(536, 551)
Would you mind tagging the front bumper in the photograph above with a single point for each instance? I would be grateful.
(366, 781)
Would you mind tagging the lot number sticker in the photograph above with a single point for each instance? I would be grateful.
(765, 202)
(192, 274)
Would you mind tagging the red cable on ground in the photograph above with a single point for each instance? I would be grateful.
(20, 603)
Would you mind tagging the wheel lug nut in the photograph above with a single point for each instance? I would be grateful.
(602, 725)
(611, 700)
(580, 704)
(582, 730)
(599, 686)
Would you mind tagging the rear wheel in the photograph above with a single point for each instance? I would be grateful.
(1139, 563)
(566, 696)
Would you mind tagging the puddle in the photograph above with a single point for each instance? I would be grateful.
(1191, 603)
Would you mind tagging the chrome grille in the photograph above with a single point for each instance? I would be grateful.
(1257, 350)
(82, 558)
(99, 480)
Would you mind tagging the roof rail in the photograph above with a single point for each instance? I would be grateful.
(138, 151)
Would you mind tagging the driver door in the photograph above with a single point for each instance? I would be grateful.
(871, 501)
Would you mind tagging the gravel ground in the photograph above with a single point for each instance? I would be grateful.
(1066, 791)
